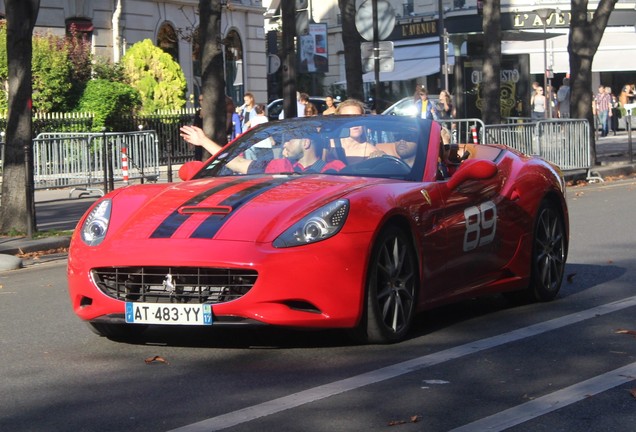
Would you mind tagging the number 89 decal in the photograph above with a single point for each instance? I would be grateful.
(481, 225)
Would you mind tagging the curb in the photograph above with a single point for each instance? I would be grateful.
(602, 171)
(24, 245)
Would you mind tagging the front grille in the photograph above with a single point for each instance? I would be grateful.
(174, 284)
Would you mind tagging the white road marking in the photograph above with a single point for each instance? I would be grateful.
(274, 406)
(552, 402)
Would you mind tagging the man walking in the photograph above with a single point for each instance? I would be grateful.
(563, 99)
(603, 102)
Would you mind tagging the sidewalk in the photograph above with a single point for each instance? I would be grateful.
(612, 155)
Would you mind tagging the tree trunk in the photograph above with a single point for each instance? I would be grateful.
(212, 76)
(584, 39)
(491, 82)
(17, 211)
(288, 12)
(351, 40)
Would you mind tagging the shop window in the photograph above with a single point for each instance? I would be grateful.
(234, 65)
(407, 8)
(80, 27)
(168, 41)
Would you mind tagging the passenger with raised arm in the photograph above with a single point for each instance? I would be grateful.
(301, 155)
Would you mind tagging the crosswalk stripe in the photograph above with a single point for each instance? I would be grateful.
(551, 402)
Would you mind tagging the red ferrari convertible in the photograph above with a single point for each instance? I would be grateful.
(355, 222)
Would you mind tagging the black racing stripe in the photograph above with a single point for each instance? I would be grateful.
(214, 222)
(176, 219)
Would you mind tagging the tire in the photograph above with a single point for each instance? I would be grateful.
(549, 251)
(392, 283)
(117, 331)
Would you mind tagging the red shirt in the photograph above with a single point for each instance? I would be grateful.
(285, 165)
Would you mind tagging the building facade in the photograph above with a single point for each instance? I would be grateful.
(112, 26)
(530, 45)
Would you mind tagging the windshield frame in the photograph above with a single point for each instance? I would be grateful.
(330, 132)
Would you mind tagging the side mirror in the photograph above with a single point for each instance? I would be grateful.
(189, 169)
(472, 169)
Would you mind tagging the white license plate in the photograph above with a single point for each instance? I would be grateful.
(168, 313)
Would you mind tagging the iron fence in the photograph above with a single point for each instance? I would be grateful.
(166, 126)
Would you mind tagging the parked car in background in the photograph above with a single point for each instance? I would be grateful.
(276, 106)
(406, 106)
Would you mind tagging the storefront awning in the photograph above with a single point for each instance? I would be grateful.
(411, 61)
(611, 55)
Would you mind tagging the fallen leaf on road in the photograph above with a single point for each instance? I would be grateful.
(413, 419)
(570, 277)
(629, 332)
(38, 254)
(156, 359)
(633, 392)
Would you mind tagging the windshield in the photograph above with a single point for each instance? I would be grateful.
(372, 146)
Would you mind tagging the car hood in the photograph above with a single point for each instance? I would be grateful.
(245, 208)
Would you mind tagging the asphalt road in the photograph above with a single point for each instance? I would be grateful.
(57, 210)
(479, 365)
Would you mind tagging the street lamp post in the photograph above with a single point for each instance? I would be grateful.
(544, 14)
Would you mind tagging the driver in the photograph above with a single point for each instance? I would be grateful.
(406, 150)
(301, 155)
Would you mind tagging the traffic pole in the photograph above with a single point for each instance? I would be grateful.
(124, 164)
(473, 130)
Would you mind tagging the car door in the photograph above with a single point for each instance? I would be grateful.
(480, 236)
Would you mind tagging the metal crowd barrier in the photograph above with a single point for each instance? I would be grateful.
(80, 160)
(462, 129)
(519, 136)
(564, 142)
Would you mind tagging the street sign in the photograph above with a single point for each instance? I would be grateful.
(385, 55)
(364, 19)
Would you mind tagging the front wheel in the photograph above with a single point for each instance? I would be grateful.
(392, 282)
(548, 254)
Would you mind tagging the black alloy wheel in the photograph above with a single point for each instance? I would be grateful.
(392, 282)
(549, 252)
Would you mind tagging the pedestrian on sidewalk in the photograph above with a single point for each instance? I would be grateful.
(538, 104)
(603, 102)
(615, 109)
(563, 99)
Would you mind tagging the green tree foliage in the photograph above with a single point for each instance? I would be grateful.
(60, 69)
(105, 69)
(51, 75)
(157, 77)
(106, 100)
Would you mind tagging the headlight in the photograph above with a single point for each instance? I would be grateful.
(96, 224)
(319, 225)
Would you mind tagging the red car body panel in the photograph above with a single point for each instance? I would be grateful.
(232, 222)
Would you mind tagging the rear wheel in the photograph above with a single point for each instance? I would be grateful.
(392, 282)
(548, 253)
